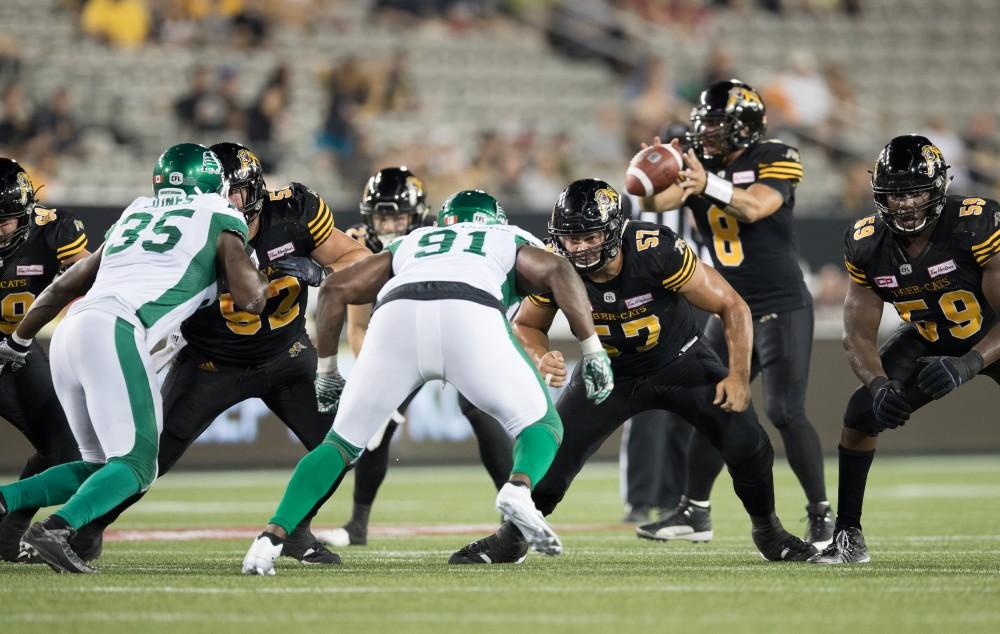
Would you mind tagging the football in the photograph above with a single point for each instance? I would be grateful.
(653, 169)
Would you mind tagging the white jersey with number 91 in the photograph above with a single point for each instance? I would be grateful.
(480, 255)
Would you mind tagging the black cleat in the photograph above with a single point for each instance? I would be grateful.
(848, 547)
(88, 542)
(820, 518)
(776, 544)
(303, 546)
(506, 546)
(52, 546)
(688, 522)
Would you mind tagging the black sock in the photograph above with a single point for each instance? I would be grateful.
(55, 523)
(359, 516)
(805, 457)
(518, 483)
(854, 466)
(704, 466)
(271, 537)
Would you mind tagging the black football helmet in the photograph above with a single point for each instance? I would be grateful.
(585, 206)
(391, 191)
(243, 171)
(17, 200)
(908, 166)
(729, 115)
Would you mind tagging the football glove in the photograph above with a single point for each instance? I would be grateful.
(597, 376)
(941, 375)
(303, 269)
(329, 387)
(891, 409)
(12, 354)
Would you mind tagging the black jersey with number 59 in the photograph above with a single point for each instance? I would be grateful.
(293, 222)
(758, 259)
(939, 291)
(640, 318)
(53, 238)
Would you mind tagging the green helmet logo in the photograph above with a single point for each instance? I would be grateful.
(471, 205)
(189, 168)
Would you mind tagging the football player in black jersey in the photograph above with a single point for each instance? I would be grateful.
(35, 244)
(231, 355)
(393, 204)
(642, 280)
(741, 190)
(931, 256)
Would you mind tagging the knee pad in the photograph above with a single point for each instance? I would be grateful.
(859, 414)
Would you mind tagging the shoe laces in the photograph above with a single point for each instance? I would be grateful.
(843, 542)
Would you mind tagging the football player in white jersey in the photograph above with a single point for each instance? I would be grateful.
(159, 263)
(440, 294)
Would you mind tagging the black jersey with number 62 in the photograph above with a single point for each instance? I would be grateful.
(941, 290)
(639, 316)
(293, 222)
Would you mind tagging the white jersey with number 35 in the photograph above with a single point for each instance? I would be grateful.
(480, 255)
(158, 261)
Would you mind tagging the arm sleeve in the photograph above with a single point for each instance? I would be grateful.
(779, 168)
(316, 217)
(64, 234)
(987, 232)
(675, 260)
(853, 259)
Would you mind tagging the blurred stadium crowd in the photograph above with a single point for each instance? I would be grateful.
(515, 96)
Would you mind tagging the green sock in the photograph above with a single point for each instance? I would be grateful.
(534, 451)
(52, 486)
(314, 479)
(108, 487)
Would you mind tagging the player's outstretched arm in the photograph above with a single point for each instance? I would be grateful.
(247, 284)
(356, 284)
(708, 291)
(862, 316)
(76, 281)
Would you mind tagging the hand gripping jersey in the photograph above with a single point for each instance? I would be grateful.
(641, 320)
(481, 256)
(158, 264)
(53, 238)
(294, 221)
(759, 259)
(940, 291)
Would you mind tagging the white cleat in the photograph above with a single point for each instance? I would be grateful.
(260, 558)
(336, 537)
(515, 504)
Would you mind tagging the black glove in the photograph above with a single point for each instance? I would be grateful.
(943, 374)
(304, 269)
(891, 409)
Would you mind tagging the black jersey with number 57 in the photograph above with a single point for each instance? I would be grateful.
(53, 238)
(640, 318)
(939, 291)
(294, 222)
(758, 259)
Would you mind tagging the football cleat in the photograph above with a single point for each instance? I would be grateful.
(776, 544)
(260, 558)
(88, 542)
(820, 518)
(506, 546)
(350, 534)
(304, 547)
(688, 522)
(515, 504)
(52, 547)
(848, 547)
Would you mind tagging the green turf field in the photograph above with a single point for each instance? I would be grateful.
(933, 527)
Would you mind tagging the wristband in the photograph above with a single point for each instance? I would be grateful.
(591, 345)
(718, 189)
(326, 365)
(27, 342)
